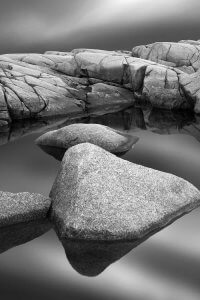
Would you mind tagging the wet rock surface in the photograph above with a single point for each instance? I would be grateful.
(58, 141)
(97, 196)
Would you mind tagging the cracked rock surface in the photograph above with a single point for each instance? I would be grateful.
(184, 55)
(36, 85)
(23, 217)
(56, 142)
(85, 81)
(98, 196)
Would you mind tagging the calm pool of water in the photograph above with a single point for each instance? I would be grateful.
(165, 267)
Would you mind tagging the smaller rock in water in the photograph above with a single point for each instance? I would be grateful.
(58, 141)
(23, 217)
(98, 196)
(22, 207)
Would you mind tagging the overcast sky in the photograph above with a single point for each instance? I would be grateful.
(39, 25)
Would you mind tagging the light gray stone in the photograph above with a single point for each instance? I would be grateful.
(22, 207)
(87, 81)
(182, 54)
(97, 196)
(191, 86)
(56, 142)
(23, 217)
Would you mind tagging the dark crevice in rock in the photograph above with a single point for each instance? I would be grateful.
(139, 91)
(168, 51)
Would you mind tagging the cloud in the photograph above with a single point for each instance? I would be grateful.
(27, 24)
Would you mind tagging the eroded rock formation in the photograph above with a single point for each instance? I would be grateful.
(87, 81)
(184, 56)
(37, 85)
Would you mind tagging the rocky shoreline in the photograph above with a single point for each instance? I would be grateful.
(84, 81)
(101, 206)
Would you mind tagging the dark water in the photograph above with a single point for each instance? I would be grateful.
(165, 267)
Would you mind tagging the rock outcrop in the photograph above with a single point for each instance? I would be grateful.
(56, 142)
(36, 86)
(23, 217)
(97, 196)
(87, 81)
(184, 55)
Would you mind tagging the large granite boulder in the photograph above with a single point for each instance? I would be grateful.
(184, 55)
(98, 196)
(56, 142)
(23, 217)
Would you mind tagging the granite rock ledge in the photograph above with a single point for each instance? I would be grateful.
(85, 81)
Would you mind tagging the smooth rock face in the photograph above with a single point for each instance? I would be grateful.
(58, 141)
(22, 207)
(97, 196)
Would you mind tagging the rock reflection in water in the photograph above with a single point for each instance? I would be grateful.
(90, 258)
(152, 119)
(15, 235)
(129, 119)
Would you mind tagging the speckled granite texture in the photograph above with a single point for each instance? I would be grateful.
(56, 142)
(98, 196)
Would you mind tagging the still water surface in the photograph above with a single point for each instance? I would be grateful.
(165, 267)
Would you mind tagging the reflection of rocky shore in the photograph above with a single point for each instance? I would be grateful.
(156, 120)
